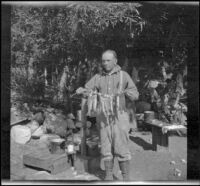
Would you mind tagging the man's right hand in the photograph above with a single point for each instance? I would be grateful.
(81, 90)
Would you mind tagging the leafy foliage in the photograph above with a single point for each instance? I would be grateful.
(73, 37)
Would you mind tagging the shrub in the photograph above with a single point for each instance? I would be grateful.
(26, 89)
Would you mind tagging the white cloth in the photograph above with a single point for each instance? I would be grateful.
(165, 129)
(21, 134)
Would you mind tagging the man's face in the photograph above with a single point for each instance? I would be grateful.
(108, 61)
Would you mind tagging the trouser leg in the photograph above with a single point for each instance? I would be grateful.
(115, 135)
(125, 169)
(106, 139)
(109, 170)
(121, 139)
(106, 146)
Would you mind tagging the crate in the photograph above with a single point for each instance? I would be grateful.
(53, 163)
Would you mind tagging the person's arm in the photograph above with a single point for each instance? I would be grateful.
(90, 85)
(130, 90)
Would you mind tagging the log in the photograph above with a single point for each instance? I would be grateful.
(20, 122)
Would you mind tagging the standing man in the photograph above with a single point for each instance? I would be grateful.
(114, 131)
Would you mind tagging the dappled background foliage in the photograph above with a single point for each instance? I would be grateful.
(56, 49)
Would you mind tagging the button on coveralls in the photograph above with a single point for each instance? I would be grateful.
(114, 131)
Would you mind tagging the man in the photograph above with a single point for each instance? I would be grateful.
(114, 132)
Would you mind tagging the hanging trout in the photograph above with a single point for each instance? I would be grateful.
(111, 103)
(89, 103)
(107, 105)
(102, 103)
(94, 105)
(117, 102)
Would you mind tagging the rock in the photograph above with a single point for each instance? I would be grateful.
(16, 116)
(70, 124)
(172, 162)
(33, 125)
(177, 172)
(38, 132)
(50, 109)
(60, 131)
(21, 134)
(142, 106)
(39, 117)
(46, 138)
(70, 116)
(183, 161)
(79, 124)
(56, 124)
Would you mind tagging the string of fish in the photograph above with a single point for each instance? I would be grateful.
(105, 103)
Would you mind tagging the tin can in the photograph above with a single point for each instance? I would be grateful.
(79, 115)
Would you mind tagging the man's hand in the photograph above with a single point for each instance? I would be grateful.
(81, 90)
(85, 92)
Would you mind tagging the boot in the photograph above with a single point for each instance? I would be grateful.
(125, 169)
(109, 170)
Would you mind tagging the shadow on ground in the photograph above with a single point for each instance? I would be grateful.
(139, 141)
(101, 175)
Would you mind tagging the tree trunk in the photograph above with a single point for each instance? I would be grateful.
(62, 83)
(45, 76)
(30, 68)
(125, 65)
(134, 75)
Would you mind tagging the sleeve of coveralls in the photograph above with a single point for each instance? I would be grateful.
(92, 83)
(131, 90)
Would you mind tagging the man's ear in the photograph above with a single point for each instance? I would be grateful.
(115, 61)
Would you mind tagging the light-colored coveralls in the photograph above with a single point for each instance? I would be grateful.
(114, 132)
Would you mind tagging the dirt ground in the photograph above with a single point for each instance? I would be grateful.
(146, 164)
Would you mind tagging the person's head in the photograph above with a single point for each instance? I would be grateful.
(109, 60)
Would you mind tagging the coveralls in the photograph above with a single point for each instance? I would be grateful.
(114, 132)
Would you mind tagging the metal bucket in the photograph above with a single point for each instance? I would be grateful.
(57, 146)
(149, 115)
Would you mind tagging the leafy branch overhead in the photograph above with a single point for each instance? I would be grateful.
(53, 37)
(47, 40)
(96, 17)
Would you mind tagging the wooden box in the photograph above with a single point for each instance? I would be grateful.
(53, 163)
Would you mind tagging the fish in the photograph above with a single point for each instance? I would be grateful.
(89, 103)
(115, 106)
(104, 104)
(111, 103)
(94, 102)
(117, 102)
(107, 106)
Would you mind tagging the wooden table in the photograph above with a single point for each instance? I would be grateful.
(161, 132)
(160, 141)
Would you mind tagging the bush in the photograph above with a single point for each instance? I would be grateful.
(26, 89)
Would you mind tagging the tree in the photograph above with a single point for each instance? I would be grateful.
(46, 40)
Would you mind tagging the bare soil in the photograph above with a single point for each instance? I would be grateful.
(146, 164)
